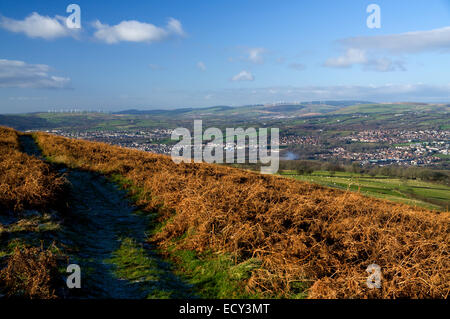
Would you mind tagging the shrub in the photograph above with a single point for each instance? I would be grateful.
(30, 273)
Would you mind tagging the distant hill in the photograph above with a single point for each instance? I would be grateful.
(285, 108)
(339, 103)
(25, 122)
(175, 111)
(154, 112)
(393, 108)
(222, 115)
(278, 109)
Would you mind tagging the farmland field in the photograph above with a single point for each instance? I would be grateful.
(412, 192)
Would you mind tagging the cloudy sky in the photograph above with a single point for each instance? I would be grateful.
(155, 54)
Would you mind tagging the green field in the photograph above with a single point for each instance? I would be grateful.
(391, 108)
(412, 192)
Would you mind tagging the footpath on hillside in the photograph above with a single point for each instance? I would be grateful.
(106, 236)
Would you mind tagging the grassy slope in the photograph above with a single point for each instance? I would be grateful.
(412, 192)
(390, 108)
(298, 231)
(211, 275)
(337, 118)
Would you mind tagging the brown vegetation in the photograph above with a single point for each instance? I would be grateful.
(26, 182)
(301, 232)
(30, 273)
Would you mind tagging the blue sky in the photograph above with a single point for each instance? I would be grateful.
(167, 54)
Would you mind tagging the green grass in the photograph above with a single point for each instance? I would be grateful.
(133, 263)
(219, 276)
(443, 156)
(32, 229)
(153, 276)
(406, 144)
(216, 276)
(211, 275)
(412, 192)
(390, 108)
(7, 247)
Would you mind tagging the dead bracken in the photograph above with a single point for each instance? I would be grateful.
(301, 232)
(26, 182)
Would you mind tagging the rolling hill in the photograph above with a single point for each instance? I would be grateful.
(153, 118)
(393, 108)
(271, 236)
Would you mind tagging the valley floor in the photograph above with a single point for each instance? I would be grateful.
(407, 191)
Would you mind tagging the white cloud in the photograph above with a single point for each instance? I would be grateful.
(376, 93)
(385, 65)
(408, 42)
(368, 51)
(357, 56)
(243, 76)
(135, 31)
(175, 27)
(22, 75)
(255, 55)
(351, 56)
(37, 26)
(386, 92)
(27, 98)
(394, 92)
(201, 66)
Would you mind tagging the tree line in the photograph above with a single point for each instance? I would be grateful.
(305, 167)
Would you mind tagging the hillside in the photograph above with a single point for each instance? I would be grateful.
(228, 233)
(30, 194)
(51, 217)
(409, 191)
(301, 118)
(134, 119)
(393, 108)
(292, 238)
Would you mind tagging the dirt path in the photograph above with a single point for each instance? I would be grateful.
(106, 237)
